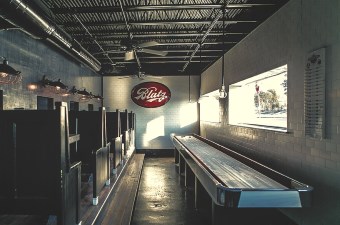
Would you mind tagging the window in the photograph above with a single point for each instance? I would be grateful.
(210, 107)
(260, 101)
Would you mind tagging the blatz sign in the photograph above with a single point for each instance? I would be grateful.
(150, 94)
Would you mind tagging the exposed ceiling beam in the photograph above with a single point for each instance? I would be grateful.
(164, 57)
(110, 9)
(120, 36)
(146, 30)
(117, 51)
(156, 22)
(164, 61)
(169, 43)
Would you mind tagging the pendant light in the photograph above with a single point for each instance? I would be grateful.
(46, 86)
(222, 92)
(84, 96)
(189, 88)
(8, 75)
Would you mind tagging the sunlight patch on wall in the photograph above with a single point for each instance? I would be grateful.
(188, 114)
(210, 107)
(154, 129)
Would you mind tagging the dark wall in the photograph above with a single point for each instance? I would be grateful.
(35, 58)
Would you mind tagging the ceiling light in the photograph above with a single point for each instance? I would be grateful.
(129, 55)
(222, 92)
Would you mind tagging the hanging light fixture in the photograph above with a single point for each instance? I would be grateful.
(222, 92)
(97, 97)
(55, 87)
(58, 85)
(129, 55)
(84, 95)
(49, 86)
(8, 75)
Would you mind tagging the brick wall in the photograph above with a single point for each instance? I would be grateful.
(300, 27)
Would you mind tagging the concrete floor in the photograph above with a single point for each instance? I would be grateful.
(163, 199)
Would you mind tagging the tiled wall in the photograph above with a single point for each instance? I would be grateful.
(35, 58)
(154, 125)
(300, 27)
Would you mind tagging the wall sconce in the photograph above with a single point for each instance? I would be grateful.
(55, 87)
(84, 95)
(8, 75)
(98, 97)
(32, 86)
(49, 86)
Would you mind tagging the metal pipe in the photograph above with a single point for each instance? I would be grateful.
(167, 61)
(172, 43)
(53, 33)
(169, 51)
(218, 16)
(159, 22)
(160, 35)
(95, 41)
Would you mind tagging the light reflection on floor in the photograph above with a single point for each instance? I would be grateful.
(161, 198)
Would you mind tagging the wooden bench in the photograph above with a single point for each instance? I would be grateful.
(37, 175)
(93, 148)
(233, 180)
(120, 204)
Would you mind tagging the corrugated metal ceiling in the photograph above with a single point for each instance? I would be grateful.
(108, 28)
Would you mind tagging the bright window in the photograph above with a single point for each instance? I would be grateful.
(260, 101)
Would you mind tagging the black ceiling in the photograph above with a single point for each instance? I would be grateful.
(189, 31)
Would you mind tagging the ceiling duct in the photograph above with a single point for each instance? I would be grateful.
(25, 17)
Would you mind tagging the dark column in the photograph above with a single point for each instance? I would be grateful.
(189, 177)
(1, 100)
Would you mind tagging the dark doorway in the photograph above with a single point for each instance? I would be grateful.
(74, 106)
(90, 107)
(1, 100)
(44, 103)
